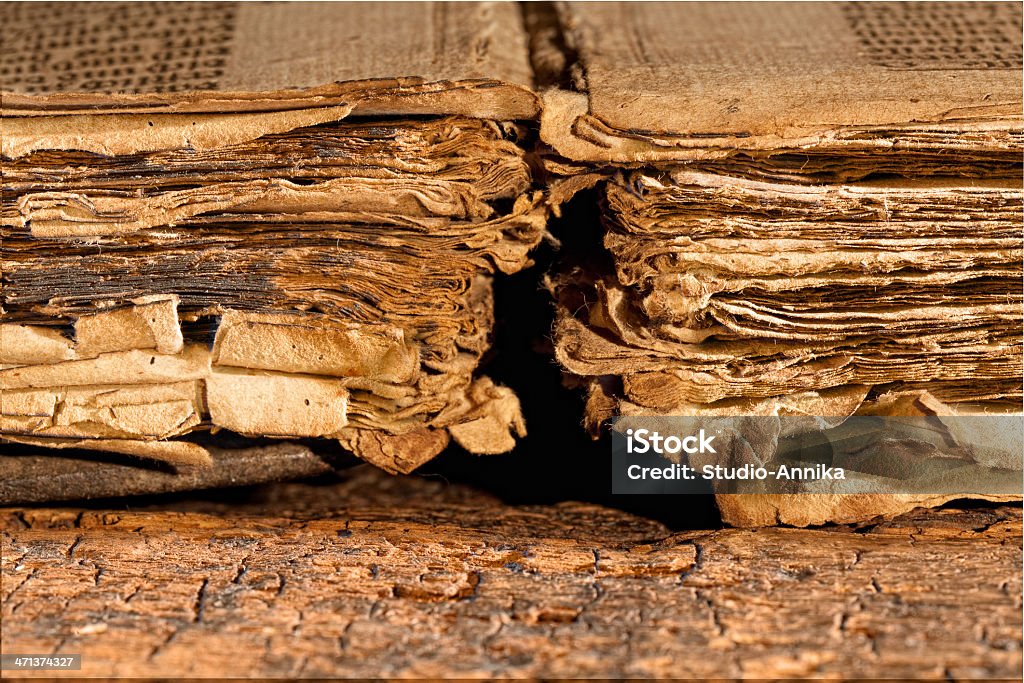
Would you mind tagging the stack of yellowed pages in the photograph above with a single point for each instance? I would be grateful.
(810, 209)
(229, 222)
(275, 220)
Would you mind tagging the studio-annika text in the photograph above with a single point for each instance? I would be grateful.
(643, 441)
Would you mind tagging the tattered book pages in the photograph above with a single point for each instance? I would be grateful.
(283, 221)
(812, 222)
(273, 220)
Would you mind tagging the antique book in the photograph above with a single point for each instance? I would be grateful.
(247, 224)
(795, 222)
(270, 220)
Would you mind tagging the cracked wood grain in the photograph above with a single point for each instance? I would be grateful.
(383, 577)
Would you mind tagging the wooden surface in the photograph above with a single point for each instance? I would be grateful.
(380, 577)
(39, 475)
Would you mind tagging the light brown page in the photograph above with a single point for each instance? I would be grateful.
(758, 74)
(382, 58)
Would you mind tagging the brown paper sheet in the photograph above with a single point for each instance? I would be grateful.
(665, 81)
(178, 453)
(377, 58)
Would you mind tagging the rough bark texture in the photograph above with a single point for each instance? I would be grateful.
(380, 577)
